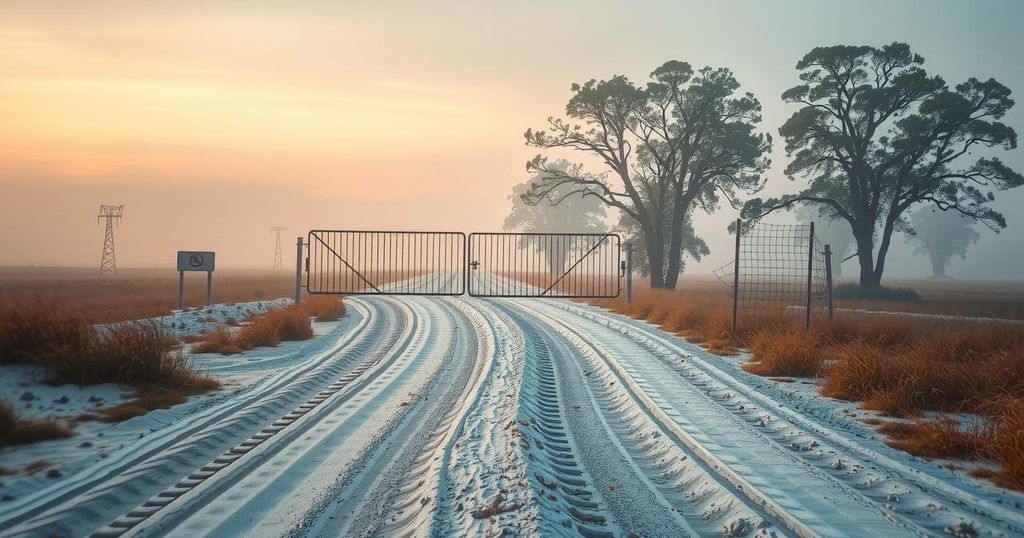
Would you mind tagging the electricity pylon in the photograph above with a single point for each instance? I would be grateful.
(112, 214)
(278, 230)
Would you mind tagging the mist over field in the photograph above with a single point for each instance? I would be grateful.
(212, 124)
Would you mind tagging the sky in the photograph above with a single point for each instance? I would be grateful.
(213, 121)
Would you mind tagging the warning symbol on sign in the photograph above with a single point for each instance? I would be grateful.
(190, 260)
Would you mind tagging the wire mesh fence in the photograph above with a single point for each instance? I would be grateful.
(779, 266)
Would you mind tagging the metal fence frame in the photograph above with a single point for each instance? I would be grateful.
(616, 265)
(458, 262)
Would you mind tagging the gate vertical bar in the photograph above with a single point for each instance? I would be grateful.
(810, 273)
(828, 281)
(736, 276)
(298, 270)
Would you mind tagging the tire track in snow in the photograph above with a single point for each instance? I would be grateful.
(482, 461)
(276, 472)
(359, 503)
(897, 492)
(566, 491)
(656, 485)
(86, 500)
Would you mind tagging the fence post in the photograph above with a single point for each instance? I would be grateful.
(828, 280)
(298, 270)
(629, 272)
(810, 274)
(736, 276)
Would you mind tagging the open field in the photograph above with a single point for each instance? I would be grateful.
(137, 293)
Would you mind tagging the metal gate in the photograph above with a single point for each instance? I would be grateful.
(543, 265)
(356, 262)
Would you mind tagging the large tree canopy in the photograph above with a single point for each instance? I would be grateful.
(941, 235)
(876, 136)
(685, 140)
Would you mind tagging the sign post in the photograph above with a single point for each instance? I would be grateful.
(191, 260)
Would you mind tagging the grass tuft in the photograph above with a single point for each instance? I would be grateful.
(15, 431)
(271, 328)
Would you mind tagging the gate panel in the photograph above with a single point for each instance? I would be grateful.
(543, 265)
(355, 262)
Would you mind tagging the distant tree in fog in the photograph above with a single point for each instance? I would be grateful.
(830, 231)
(941, 235)
(685, 140)
(876, 136)
(574, 214)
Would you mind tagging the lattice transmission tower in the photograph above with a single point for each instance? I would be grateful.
(111, 214)
(278, 231)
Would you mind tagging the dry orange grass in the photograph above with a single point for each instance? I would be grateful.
(939, 438)
(71, 350)
(900, 366)
(136, 293)
(324, 308)
(271, 328)
(15, 431)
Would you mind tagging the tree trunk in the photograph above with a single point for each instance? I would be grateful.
(938, 265)
(655, 256)
(865, 249)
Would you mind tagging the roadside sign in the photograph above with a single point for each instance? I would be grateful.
(190, 260)
(195, 260)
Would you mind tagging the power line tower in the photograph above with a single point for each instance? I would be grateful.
(278, 231)
(112, 214)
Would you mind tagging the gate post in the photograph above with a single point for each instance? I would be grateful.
(736, 276)
(828, 280)
(298, 270)
(629, 272)
(810, 273)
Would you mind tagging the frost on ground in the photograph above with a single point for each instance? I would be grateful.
(460, 416)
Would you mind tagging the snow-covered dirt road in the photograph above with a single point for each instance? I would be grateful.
(460, 416)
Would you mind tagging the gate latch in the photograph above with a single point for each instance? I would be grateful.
(622, 268)
(474, 264)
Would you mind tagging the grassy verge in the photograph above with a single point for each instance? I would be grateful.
(17, 431)
(70, 349)
(273, 327)
(898, 366)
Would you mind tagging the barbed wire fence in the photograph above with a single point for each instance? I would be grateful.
(779, 266)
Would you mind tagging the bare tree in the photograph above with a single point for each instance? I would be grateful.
(684, 141)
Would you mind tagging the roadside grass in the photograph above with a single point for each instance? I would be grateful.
(70, 349)
(900, 366)
(17, 431)
(324, 308)
(271, 328)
